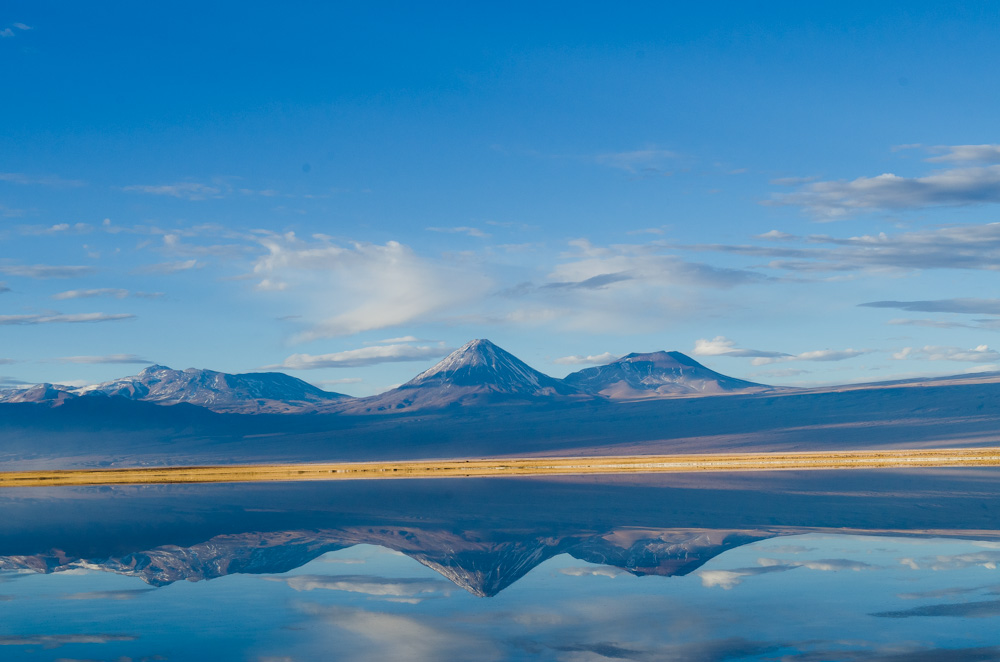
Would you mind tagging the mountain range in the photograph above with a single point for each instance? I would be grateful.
(478, 373)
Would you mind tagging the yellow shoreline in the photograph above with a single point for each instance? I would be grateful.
(864, 459)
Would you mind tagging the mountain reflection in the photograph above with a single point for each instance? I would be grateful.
(482, 534)
(482, 567)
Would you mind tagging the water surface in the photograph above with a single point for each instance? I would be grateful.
(892, 565)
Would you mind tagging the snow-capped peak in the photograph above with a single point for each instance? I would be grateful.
(485, 362)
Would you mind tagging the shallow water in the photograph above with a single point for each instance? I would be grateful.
(893, 565)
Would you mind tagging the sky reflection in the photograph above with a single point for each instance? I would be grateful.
(797, 599)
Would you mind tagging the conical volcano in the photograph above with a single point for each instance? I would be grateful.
(478, 372)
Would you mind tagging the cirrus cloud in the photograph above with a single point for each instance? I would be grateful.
(722, 346)
(362, 357)
(110, 358)
(170, 267)
(114, 293)
(816, 355)
(970, 246)
(183, 190)
(969, 306)
(944, 188)
(593, 359)
(45, 271)
(51, 181)
(59, 318)
(978, 354)
(966, 154)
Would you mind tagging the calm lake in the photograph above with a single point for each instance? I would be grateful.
(862, 565)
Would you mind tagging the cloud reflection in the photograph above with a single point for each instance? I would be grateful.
(374, 586)
(960, 609)
(988, 560)
(598, 571)
(130, 594)
(396, 637)
(727, 579)
(57, 640)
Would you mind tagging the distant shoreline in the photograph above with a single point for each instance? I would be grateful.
(714, 462)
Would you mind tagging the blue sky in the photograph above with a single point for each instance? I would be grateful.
(348, 192)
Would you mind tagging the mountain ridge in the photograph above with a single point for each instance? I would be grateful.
(656, 374)
(252, 392)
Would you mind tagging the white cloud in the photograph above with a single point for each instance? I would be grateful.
(621, 287)
(114, 293)
(776, 235)
(361, 357)
(973, 246)
(595, 359)
(393, 341)
(44, 271)
(170, 267)
(183, 190)
(110, 358)
(953, 187)
(6, 32)
(969, 306)
(648, 160)
(220, 187)
(588, 266)
(472, 232)
(40, 180)
(817, 355)
(174, 244)
(979, 354)
(722, 346)
(58, 228)
(22, 26)
(966, 153)
(363, 286)
(58, 318)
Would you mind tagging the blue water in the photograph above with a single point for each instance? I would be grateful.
(506, 570)
(806, 597)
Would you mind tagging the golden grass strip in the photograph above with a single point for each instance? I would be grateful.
(861, 459)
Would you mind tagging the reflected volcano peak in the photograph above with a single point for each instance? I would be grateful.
(482, 565)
